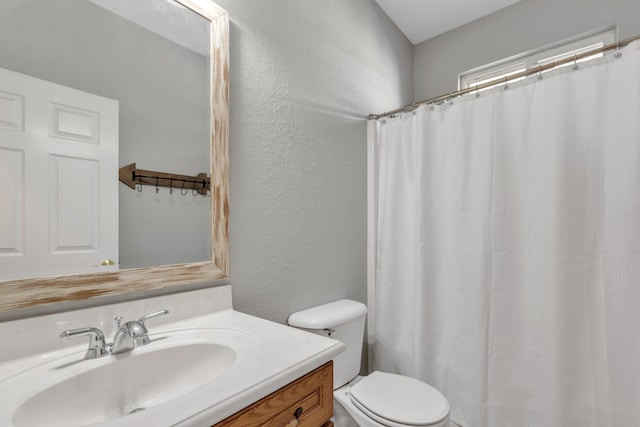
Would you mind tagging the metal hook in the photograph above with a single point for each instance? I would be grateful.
(539, 72)
(139, 184)
(195, 191)
(506, 83)
(170, 185)
(575, 62)
(182, 188)
(477, 91)
(157, 186)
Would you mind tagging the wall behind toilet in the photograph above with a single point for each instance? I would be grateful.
(304, 76)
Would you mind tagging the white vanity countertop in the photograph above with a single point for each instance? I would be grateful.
(278, 354)
(283, 355)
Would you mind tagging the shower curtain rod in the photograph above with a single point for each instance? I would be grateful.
(504, 79)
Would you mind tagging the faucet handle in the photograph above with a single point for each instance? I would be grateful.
(152, 316)
(138, 331)
(97, 344)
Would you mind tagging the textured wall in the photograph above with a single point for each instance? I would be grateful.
(522, 27)
(304, 75)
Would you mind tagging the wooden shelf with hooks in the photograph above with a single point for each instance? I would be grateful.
(132, 176)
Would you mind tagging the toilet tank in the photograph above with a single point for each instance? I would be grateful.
(342, 320)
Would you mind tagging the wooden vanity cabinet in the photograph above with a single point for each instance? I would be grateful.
(305, 402)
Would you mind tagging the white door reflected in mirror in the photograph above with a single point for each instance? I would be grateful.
(59, 160)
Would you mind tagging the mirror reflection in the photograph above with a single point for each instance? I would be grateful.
(133, 59)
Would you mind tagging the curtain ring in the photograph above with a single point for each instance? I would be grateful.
(506, 83)
(575, 61)
(477, 91)
(539, 72)
(449, 99)
(618, 54)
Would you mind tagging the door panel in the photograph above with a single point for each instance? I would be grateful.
(59, 151)
(11, 202)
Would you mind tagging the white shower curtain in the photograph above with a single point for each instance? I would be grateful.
(508, 249)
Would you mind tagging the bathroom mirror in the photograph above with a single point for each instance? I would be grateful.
(35, 291)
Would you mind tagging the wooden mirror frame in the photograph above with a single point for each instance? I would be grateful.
(26, 293)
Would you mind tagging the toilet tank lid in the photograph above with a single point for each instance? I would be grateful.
(328, 315)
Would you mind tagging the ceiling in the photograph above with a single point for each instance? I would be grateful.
(421, 20)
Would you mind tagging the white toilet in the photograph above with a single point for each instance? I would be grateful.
(379, 399)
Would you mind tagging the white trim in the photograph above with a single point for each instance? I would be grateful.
(532, 59)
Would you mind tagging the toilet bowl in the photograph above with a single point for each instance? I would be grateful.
(380, 399)
(392, 406)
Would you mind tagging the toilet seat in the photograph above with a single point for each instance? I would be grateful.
(399, 401)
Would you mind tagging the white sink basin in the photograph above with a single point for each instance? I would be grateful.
(194, 373)
(106, 389)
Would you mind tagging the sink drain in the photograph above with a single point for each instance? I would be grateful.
(136, 410)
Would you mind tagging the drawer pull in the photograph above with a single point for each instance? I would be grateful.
(297, 413)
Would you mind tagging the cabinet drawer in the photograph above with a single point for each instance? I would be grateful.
(311, 396)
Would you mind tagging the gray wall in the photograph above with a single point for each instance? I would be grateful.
(304, 76)
(522, 27)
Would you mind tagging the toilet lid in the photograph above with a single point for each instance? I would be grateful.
(395, 399)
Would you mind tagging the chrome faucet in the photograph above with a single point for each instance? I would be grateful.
(133, 334)
(127, 337)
